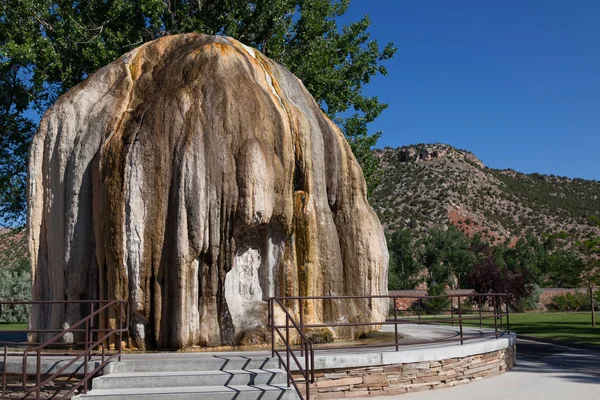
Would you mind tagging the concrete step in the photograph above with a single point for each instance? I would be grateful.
(234, 392)
(189, 378)
(47, 367)
(182, 364)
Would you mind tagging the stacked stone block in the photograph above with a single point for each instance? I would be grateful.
(409, 377)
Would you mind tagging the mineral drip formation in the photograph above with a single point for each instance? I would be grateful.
(195, 178)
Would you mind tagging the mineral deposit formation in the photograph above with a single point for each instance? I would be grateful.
(196, 178)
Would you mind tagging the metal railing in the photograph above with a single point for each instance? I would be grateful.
(482, 306)
(306, 346)
(87, 341)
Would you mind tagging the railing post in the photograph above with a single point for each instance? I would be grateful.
(306, 371)
(395, 324)
(119, 345)
(106, 341)
(306, 360)
(480, 323)
(495, 315)
(507, 319)
(312, 363)
(419, 312)
(4, 372)
(460, 322)
(85, 358)
(452, 310)
(24, 369)
(500, 314)
(91, 332)
(287, 348)
(38, 370)
(301, 325)
(272, 322)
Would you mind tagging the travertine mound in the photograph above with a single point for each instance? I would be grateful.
(197, 178)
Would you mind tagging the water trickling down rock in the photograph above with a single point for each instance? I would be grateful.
(196, 178)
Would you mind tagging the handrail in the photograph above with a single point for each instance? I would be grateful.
(86, 352)
(385, 296)
(306, 347)
(82, 349)
(456, 314)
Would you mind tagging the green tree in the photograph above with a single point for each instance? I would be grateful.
(446, 256)
(49, 46)
(590, 250)
(404, 271)
(563, 265)
(15, 285)
(16, 132)
(564, 269)
(528, 258)
(458, 257)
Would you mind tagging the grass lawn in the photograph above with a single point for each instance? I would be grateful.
(18, 326)
(571, 327)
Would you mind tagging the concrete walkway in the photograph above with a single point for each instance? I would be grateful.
(544, 371)
(575, 360)
(530, 380)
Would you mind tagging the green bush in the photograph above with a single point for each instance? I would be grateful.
(320, 336)
(577, 301)
(530, 302)
(15, 285)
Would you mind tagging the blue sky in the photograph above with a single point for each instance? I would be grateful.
(515, 82)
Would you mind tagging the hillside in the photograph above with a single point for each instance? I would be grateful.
(428, 185)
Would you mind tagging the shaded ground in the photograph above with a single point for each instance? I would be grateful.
(575, 360)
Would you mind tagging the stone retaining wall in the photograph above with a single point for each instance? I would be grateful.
(409, 377)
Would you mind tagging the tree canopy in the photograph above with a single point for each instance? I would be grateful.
(46, 47)
(445, 258)
(404, 270)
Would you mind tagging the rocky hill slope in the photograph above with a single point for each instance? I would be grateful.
(429, 185)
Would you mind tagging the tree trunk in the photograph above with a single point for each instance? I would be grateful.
(592, 303)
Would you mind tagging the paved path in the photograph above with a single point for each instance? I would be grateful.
(575, 360)
(544, 371)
